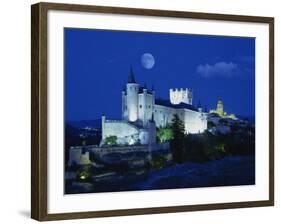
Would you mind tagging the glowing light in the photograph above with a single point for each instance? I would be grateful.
(131, 141)
(82, 177)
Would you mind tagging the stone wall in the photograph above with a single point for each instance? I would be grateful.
(80, 155)
(124, 131)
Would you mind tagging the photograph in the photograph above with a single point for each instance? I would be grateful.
(154, 111)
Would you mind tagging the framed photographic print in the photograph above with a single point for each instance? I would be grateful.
(139, 111)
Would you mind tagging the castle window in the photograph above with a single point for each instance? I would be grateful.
(149, 106)
(126, 107)
(140, 106)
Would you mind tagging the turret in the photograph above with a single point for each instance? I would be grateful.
(181, 95)
(132, 89)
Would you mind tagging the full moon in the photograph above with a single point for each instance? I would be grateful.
(147, 60)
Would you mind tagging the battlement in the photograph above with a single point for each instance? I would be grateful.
(181, 89)
(181, 95)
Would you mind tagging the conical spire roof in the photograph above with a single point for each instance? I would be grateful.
(131, 78)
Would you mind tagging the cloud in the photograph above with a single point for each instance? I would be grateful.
(218, 69)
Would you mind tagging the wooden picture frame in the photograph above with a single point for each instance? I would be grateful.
(39, 110)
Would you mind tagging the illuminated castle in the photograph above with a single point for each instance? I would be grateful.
(141, 110)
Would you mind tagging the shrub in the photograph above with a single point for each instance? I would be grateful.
(211, 124)
(158, 162)
(164, 134)
(111, 140)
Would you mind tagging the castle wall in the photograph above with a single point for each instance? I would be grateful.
(194, 121)
(135, 156)
(77, 157)
(163, 115)
(119, 128)
(125, 132)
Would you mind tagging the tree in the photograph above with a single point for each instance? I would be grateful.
(164, 134)
(211, 124)
(177, 143)
(111, 140)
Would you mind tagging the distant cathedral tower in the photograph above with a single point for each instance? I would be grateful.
(132, 97)
(181, 96)
(220, 108)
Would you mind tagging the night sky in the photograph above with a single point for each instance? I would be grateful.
(97, 65)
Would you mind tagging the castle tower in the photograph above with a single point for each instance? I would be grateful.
(181, 96)
(220, 107)
(132, 89)
(146, 105)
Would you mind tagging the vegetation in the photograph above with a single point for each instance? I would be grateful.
(84, 173)
(158, 162)
(111, 140)
(223, 121)
(211, 146)
(177, 143)
(205, 147)
(200, 148)
(211, 124)
(164, 134)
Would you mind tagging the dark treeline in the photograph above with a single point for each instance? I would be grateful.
(207, 146)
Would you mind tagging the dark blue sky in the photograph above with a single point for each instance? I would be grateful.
(97, 64)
